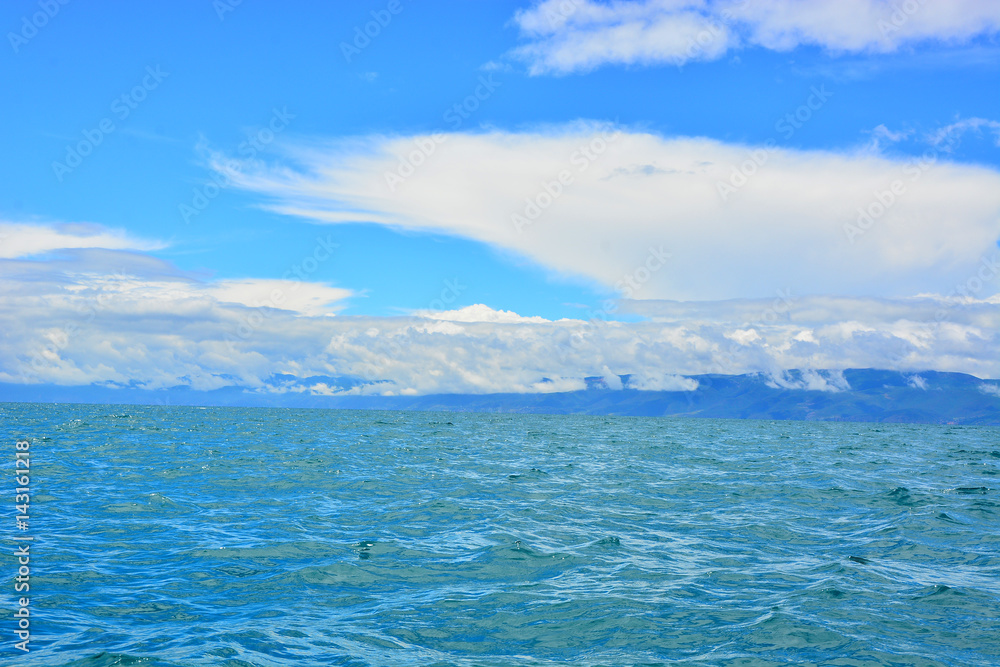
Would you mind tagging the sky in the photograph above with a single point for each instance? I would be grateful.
(397, 197)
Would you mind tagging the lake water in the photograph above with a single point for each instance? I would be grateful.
(230, 536)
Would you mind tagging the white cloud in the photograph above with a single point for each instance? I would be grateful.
(589, 34)
(743, 336)
(303, 298)
(478, 313)
(882, 135)
(990, 389)
(917, 382)
(947, 137)
(578, 35)
(144, 326)
(70, 321)
(18, 239)
(645, 381)
(810, 380)
(662, 214)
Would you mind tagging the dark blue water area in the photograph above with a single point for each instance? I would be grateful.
(229, 536)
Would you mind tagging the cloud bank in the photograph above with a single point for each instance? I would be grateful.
(70, 322)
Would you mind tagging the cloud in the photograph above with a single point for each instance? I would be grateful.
(578, 35)
(147, 325)
(478, 313)
(313, 299)
(708, 220)
(789, 308)
(645, 381)
(882, 135)
(990, 389)
(19, 239)
(811, 380)
(565, 36)
(949, 136)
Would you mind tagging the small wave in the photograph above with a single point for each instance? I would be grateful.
(119, 660)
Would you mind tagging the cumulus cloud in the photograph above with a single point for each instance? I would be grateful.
(478, 312)
(566, 36)
(658, 217)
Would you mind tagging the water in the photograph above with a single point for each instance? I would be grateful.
(193, 536)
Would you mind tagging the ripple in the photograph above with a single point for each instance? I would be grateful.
(172, 537)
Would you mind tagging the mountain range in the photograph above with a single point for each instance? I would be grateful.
(868, 395)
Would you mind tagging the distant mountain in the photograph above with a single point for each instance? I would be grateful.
(854, 395)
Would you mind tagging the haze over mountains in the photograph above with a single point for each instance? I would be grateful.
(853, 395)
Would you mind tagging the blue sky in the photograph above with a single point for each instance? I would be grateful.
(684, 93)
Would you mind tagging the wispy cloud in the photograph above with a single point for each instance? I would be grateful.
(950, 135)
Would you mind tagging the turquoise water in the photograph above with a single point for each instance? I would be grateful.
(192, 536)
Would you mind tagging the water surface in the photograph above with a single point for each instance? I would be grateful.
(229, 536)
